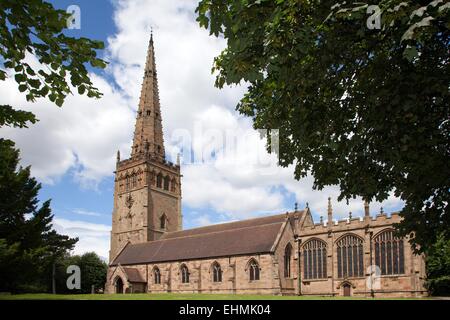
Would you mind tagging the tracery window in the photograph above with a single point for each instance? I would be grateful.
(127, 183)
(217, 272)
(156, 275)
(163, 221)
(134, 181)
(159, 180)
(287, 260)
(166, 182)
(253, 270)
(350, 256)
(314, 259)
(389, 253)
(184, 274)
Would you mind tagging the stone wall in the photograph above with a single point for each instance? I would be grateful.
(410, 283)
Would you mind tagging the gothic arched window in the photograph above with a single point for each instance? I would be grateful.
(134, 181)
(172, 185)
(156, 275)
(350, 257)
(287, 260)
(163, 221)
(253, 270)
(389, 253)
(217, 272)
(184, 274)
(166, 182)
(159, 180)
(127, 183)
(314, 259)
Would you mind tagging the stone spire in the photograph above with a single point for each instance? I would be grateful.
(366, 209)
(330, 213)
(148, 134)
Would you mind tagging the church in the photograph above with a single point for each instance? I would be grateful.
(283, 254)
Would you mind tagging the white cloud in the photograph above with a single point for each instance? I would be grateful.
(92, 236)
(84, 135)
(84, 212)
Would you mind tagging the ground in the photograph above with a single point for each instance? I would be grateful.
(164, 296)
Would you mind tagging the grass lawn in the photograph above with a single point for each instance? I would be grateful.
(167, 296)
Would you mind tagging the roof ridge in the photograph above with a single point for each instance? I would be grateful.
(229, 222)
(201, 234)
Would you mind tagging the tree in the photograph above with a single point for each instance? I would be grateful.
(35, 27)
(27, 241)
(438, 268)
(365, 109)
(93, 272)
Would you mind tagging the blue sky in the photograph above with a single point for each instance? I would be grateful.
(72, 150)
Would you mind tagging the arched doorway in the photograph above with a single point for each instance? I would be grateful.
(119, 285)
(347, 289)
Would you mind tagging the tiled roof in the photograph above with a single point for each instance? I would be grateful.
(133, 275)
(234, 238)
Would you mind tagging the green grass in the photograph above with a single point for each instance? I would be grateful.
(166, 296)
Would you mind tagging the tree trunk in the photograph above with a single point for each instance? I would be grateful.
(53, 278)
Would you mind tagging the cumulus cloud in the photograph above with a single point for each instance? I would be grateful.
(82, 137)
(92, 236)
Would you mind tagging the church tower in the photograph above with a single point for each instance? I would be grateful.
(147, 192)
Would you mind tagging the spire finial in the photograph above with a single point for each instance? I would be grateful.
(350, 215)
(118, 155)
(330, 212)
(296, 207)
(381, 210)
(330, 208)
(366, 208)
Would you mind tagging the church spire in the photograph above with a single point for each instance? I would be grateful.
(148, 135)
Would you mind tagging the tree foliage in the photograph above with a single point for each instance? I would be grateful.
(365, 109)
(35, 27)
(28, 244)
(93, 272)
(438, 268)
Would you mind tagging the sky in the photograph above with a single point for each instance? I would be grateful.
(72, 150)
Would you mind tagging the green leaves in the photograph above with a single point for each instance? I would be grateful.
(27, 241)
(36, 27)
(15, 118)
(364, 109)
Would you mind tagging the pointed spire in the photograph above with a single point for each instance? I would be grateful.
(330, 212)
(366, 208)
(118, 155)
(148, 134)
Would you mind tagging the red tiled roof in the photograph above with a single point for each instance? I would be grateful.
(227, 239)
(133, 275)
